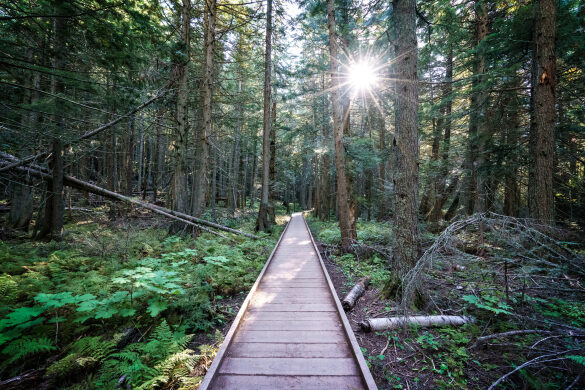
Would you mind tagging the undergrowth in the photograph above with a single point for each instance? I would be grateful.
(114, 305)
(523, 287)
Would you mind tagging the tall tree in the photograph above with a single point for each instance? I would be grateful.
(179, 189)
(263, 222)
(202, 142)
(541, 198)
(52, 220)
(474, 191)
(405, 143)
(339, 118)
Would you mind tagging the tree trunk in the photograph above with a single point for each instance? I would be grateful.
(129, 157)
(541, 200)
(272, 173)
(405, 143)
(380, 324)
(325, 160)
(52, 221)
(178, 191)
(382, 188)
(472, 191)
(236, 155)
(441, 194)
(263, 222)
(511, 123)
(200, 182)
(344, 213)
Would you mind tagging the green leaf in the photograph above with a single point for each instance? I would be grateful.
(20, 316)
(88, 305)
(127, 312)
(471, 299)
(155, 306)
(55, 300)
(105, 312)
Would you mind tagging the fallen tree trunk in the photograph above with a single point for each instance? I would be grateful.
(376, 324)
(356, 292)
(70, 181)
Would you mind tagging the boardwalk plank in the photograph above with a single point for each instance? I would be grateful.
(292, 350)
(247, 382)
(287, 315)
(290, 366)
(290, 336)
(293, 307)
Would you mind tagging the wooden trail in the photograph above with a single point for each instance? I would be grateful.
(291, 331)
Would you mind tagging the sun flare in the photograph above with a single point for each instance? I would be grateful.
(362, 76)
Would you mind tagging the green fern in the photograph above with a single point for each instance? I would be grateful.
(176, 368)
(26, 346)
(8, 290)
(86, 354)
(577, 359)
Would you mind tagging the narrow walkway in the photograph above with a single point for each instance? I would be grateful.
(291, 332)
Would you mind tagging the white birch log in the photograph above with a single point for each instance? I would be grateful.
(356, 292)
(376, 324)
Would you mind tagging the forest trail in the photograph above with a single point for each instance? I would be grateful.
(291, 331)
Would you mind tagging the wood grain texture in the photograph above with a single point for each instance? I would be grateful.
(289, 366)
(246, 382)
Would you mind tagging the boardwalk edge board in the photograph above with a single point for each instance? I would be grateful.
(355, 348)
(217, 360)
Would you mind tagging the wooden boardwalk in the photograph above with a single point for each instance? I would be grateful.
(291, 332)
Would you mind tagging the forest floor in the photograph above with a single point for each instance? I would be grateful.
(122, 303)
(547, 303)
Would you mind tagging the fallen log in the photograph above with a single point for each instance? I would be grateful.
(377, 324)
(71, 181)
(356, 292)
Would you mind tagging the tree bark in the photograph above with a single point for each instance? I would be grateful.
(382, 188)
(263, 222)
(473, 194)
(379, 324)
(179, 189)
(356, 292)
(541, 201)
(405, 143)
(324, 196)
(272, 173)
(236, 154)
(201, 179)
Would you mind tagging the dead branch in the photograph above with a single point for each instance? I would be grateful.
(536, 360)
(17, 163)
(523, 236)
(43, 173)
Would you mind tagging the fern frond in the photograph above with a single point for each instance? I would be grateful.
(26, 346)
(577, 359)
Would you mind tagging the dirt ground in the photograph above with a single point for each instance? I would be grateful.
(400, 367)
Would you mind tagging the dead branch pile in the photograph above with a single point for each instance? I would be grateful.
(521, 245)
